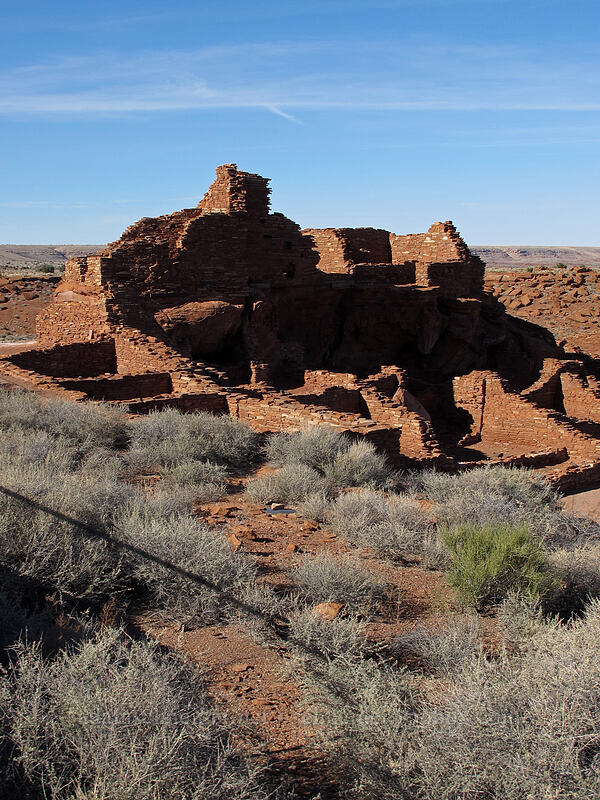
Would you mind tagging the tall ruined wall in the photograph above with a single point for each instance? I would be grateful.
(279, 253)
(455, 278)
(366, 245)
(441, 242)
(330, 247)
(341, 248)
(211, 260)
(236, 191)
(442, 259)
(230, 281)
(580, 400)
(79, 312)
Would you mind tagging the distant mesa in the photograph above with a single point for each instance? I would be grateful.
(518, 257)
(230, 308)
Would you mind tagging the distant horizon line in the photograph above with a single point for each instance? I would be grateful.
(471, 246)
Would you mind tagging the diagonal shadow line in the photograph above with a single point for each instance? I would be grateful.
(277, 624)
(92, 532)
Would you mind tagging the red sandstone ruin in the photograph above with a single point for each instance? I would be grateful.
(229, 308)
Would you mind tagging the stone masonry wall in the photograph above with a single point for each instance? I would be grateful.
(441, 242)
(455, 279)
(235, 191)
(580, 400)
(341, 248)
(504, 417)
(125, 387)
(82, 360)
(69, 321)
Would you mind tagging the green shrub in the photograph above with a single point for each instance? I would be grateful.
(113, 718)
(504, 496)
(490, 562)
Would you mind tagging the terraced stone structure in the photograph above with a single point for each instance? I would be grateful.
(229, 308)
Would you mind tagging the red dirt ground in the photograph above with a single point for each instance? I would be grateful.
(21, 300)
(253, 679)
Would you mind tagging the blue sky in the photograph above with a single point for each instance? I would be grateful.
(390, 113)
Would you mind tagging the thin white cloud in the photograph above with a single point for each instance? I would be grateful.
(284, 114)
(310, 75)
(41, 204)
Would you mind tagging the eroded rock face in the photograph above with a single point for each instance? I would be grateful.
(205, 329)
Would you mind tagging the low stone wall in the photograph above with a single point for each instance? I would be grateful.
(123, 387)
(79, 360)
(202, 401)
(501, 416)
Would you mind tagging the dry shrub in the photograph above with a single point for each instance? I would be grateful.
(113, 718)
(313, 636)
(342, 579)
(316, 506)
(360, 465)
(50, 526)
(441, 652)
(214, 576)
(343, 462)
(520, 727)
(363, 712)
(524, 724)
(315, 447)
(84, 424)
(519, 485)
(393, 526)
(205, 479)
(169, 438)
(579, 573)
(290, 484)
